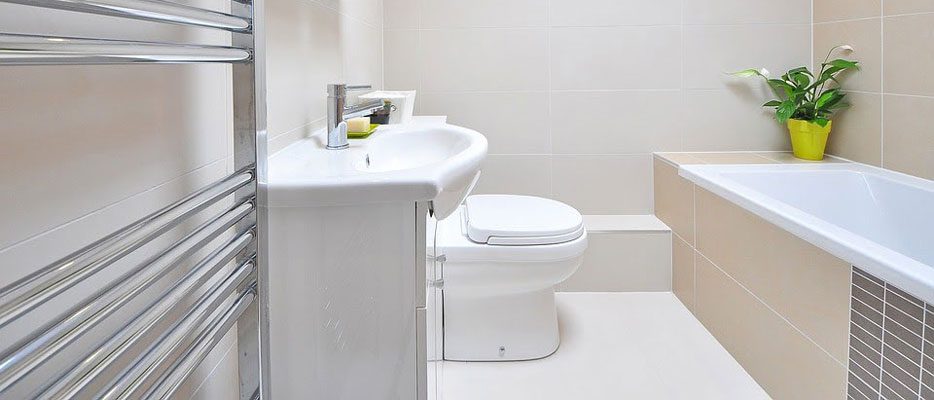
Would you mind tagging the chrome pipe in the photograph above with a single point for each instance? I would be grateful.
(72, 382)
(32, 352)
(196, 353)
(41, 286)
(147, 365)
(48, 50)
(148, 10)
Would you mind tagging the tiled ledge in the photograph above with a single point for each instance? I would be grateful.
(741, 157)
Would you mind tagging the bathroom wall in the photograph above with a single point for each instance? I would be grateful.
(85, 150)
(891, 123)
(310, 44)
(575, 95)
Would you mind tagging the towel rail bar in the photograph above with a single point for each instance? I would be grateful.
(18, 49)
(72, 382)
(41, 286)
(148, 10)
(196, 353)
(35, 350)
(154, 360)
(231, 302)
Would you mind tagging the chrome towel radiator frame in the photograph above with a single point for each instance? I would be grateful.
(234, 296)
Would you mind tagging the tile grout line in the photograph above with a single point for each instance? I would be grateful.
(850, 324)
(882, 350)
(882, 84)
(924, 317)
(793, 326)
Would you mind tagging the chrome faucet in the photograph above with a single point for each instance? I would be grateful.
(339, 112)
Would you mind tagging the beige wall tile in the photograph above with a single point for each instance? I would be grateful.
(801, 282)
(615, 12)
(909, 135)
(674, 200)
(447, 14)
(624, 262)
(640, 57)
(516, 174)
(866, 38)
(514, 123)
(623, 122)
(896, 7)
(484, 59)
(733, 158)
(909, 54)
(778, 357)
(682, 271)
(678, 158)
(582, 182)
(745, 11)
(731, 120)
(711, 52)
(838, 10)
(857, 131)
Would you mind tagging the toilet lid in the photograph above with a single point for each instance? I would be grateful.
(520, 220)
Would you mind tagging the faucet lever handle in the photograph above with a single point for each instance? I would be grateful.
(358, 87)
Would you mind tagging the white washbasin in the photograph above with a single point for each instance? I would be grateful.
(423, 162)
(878, 220)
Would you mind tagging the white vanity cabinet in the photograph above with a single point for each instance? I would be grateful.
(347, 278)
(347, 302)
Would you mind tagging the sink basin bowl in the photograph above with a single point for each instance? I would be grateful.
(439, 163)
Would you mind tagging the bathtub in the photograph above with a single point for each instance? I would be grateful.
(878, 220)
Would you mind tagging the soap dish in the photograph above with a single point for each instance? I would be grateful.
(363, 135)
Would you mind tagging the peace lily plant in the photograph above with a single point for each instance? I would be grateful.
(807, 101)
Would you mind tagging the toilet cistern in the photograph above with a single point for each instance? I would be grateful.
(339, 111)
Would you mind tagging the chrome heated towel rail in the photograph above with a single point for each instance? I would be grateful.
(161, 341)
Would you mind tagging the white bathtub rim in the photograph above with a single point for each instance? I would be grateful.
(882, 262)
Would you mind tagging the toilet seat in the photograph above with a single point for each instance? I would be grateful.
(511, 220)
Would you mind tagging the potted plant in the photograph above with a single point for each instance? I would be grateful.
(807, 101)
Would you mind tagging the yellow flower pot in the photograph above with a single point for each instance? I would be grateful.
(808, 139)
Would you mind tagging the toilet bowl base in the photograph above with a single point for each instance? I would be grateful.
(501, 327)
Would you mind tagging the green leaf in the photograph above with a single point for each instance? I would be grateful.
(747, 73)
(843, 64)
(772, 103)
(821, 121)
(781, 87)
(785, 111)
(803, 70)
(829, 98)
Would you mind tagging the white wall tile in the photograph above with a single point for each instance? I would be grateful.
(747, 11)
(604, 184)
(645, 57)
(514, 123)
(303, 56)
(362, 55)
(447, 14)
(731, 120)
(615, 12)
(516, 174)
(401, 69)
(485, 59)
(400, 14)
(711, 52)
(616, 122)
(623, 262)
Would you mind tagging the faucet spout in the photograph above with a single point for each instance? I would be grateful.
(339, 111)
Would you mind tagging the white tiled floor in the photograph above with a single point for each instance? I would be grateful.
(642, 346)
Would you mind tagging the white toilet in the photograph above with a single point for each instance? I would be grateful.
(503, 256)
